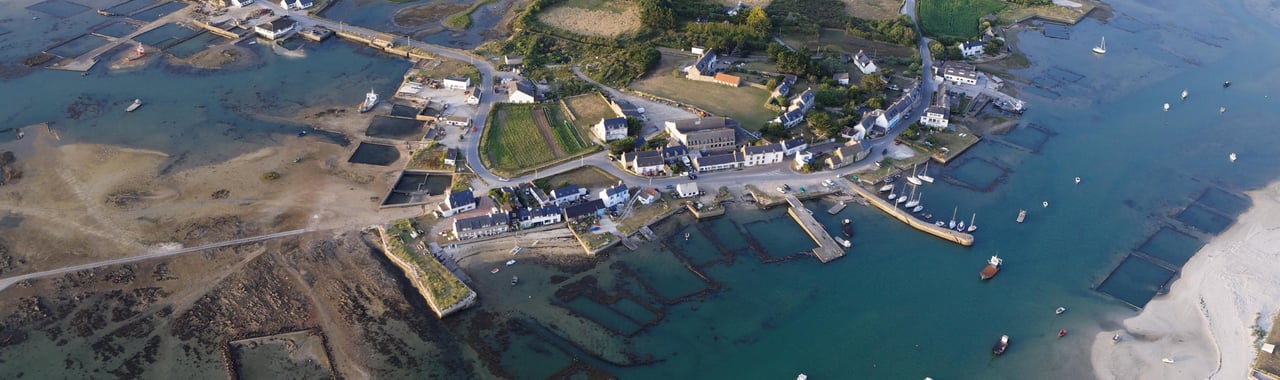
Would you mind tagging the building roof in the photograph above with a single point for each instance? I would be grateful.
(674, 151)
(729, 79)
(482, 221)
(614, 123)
(539, 212)
(704, 62)
(620, 189)
(938, 110)
(971, 44)
(513, 60)
(861, 59)
(959, 69)
(717, 159)
(527, 87)
(685, 188)
(783, 88)
(840, 76)
(584, 209)
(849, 151)
(457, 79)
(278, 24)
(762, 149)
(451, 154)
(457, 118)
(626, 108)
(793, 143)
(703, 123)
(566, 190)
(460, 198)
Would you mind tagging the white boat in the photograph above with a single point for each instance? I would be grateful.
(892, 196)
(802, 377)
(924, 176)
(952, 224)
(1102, 47)
(917, 208)
(960, 227)
(1184, 94)
(1046, 203)
(886, 188)
(843, 243)
(913, 179)
(1062, 310)
(1166, 107)
(512, 261)
(1077, 180)
(1167, 360)
(136, 103)
(972, 227)
(901, 200)
(913, 201)
(370, 100)
(1115, 338)
(1222, 109)
(1232, 157)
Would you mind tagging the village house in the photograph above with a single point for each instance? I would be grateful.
(278, 28)
(864, 63)
(614, 196)
(959, 73)
(856, 131)
(595, 207)
(473, 95)
(646, 163)
(728, 80)
(455, 83)
(624, 108)
(647, 196)
(512, 61)
(704, 134)
(610, 129)
(540, 216)
(704, 69)
(793, 146)
(790, 118)
(241, 3)
(567, 194)
(524, 92)
(885, 120)
(686, 190)
(762, 154)
(936, 116)
(841, 78)
(540, 197)
(451, 157)
(457, 202)
(848, 154)
(785, 87)
(674, 153)
(481, 226)
(296, 4)
(720, 161)
(456, 120)
(804, 101)
(971, 49)
(803, 158)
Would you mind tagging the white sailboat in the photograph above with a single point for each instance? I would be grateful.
(892, 195)
(972, 227)
(918, 207)
(960, 227)
(1077, 180)
(901, 198)
(1102, 47)
(912, 201)
(924, 175)
(886, 188)
(912, 178)
(952, 224)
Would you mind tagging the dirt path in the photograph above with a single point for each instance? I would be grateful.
(544, 129)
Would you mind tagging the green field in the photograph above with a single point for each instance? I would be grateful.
(566, 135)
(511, 141)
(744, 104)
(955, 18)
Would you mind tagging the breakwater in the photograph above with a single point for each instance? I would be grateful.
(945, 233)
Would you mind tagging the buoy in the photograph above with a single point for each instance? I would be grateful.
(1046, 203)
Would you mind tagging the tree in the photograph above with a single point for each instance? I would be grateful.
(821, 124)
(758, 21)
(633, 126)
(499, 197)
(872, 84)
(618, 147)
(936, 49)
(875, 103)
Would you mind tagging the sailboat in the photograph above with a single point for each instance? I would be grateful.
(1232, 157)
(1102, 47)
(912, 202)
(960, 227)
(892, 196)
(901, 198)
(919, 207)
(952, 224)
(886, 188)
(913, 179)
(924, 175)
(1166, 107)
(972, 227)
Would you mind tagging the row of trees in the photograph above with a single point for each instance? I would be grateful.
(899, 30)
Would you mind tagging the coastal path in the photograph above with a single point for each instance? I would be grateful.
(9, 281)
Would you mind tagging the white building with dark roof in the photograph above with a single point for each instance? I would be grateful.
(793, 146)
(457, 202)
(971, 49)
(615, 195)
(541, 216)
(455, 83)
(614, 128)
(296, 4)
(481, 226)
(567, 194)
(960, 73)
(647, 163)
(720, 161)
(762, 154)
(864, 63)
(524, 92)
(936, 116)
(278, 28)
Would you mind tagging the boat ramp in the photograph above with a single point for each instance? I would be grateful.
(890, 208)
(827, 249)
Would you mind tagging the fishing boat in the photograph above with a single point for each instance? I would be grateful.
(972, 227)
(843, 243)
(370, 100)
(138, 52)
(1232, 157)
(1001, 345)
(886, 188)
(1184, 94)
(1102, 47)
(952, 223)
(924, 174)
(1166, 107)
(846, 226)
(993, 267)
(913, 179)
(1022, 215)
(1060, 310)
(514, 280)
(136, 103)
(1062, 333)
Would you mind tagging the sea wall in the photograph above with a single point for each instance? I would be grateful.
(945, 233)
(415, 275)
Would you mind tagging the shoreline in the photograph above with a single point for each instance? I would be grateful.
(1205, 323)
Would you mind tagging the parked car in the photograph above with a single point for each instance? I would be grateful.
(670, 187)
(786, 186)
(504, 179)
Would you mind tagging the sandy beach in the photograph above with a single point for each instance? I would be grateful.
(1205, 323)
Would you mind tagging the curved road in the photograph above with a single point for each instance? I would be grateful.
(9, 281)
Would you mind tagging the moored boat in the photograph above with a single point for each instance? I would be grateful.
(917, 208)
(1022, 215)
(1102, 47)
(972, 227)
(370, 100)
(1001, 345)
(842, 242)
(510, 262)
(846, 226)
(1062, 333)
(924, 175)
(1060, 310)
(136, 103)
(993, 267)
(514, 280)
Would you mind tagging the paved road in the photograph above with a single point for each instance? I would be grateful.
(9, 281)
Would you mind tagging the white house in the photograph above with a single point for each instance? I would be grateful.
(803, 158)
(841, 78)
(241, 3)
(960, 73)
(541, 216)
(647, 162)
(614, 196)
(864, 63)
(455, 83)
(457, 120)
(855, 132)
(567, 194)
(480, 226)
(721, 161)
(935, 116)
(698, 50)
(686, 190)
(793, 146)
(296, 4)
(761, 155)
(525, 92)
(971, 49)
(647, 196)
(277, 28)
(790, 118)
(451, 157)
(473, 95)
(610, 129)
(457, 202)
(542, 198)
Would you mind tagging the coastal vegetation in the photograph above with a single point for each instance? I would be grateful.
(955, 19)
(597, 18)
(463, 20)
(431, 158)
(441, 288)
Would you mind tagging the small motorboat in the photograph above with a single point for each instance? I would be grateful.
(1184, 94)
(1166, 107)
(1060, 310)
(495, 270)
(302, 133)
(1062, 333)
(1077, 180)
(1226, 84)
(1232, 157)
(136, 103)
(1001, 346)
(1222, 109)
(514, 280)
(1167, 360)
(1022, 215)
(1115, 338)
(511, 262)
(940, 223)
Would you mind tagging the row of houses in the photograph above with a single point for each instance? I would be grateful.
(653, 162)
(567, 203)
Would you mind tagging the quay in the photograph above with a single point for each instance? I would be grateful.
(891, 209)
(827, 249)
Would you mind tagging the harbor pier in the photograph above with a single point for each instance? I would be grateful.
(827, 249)
(923, 225)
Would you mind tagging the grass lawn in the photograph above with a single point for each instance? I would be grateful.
(511, 141)
(588, 109)
(955, 18)
(589, 177)
(744, 104)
